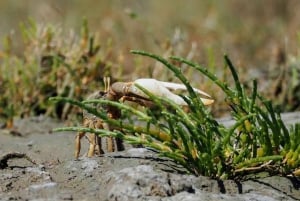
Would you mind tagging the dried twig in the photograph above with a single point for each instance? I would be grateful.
(12, 155)
(262, 167)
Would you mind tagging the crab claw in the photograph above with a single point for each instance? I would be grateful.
(162, 89)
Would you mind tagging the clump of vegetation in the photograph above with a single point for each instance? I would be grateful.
(258, 141)
(51, 64)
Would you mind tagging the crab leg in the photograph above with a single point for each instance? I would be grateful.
(78, 143)
(78, 138)
(98, 148)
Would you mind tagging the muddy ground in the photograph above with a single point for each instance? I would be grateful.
(134, 174)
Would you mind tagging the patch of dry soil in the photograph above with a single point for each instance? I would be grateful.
(134, 174)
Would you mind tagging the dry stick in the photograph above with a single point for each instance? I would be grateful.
(12, 155)
(68, 105)
(255, 169)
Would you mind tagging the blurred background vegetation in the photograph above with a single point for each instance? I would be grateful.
(65, 48)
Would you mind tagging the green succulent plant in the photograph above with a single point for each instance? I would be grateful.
(258, 141)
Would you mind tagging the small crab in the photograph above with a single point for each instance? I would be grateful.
(127, 91)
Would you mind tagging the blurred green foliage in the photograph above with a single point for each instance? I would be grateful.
(51, 65)
(55, 54)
